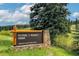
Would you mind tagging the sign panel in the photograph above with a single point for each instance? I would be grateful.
(25, 38)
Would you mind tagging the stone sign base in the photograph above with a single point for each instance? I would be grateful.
(46, 38)
(46, 42)
(28, 46)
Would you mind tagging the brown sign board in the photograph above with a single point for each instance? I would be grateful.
(26, 37)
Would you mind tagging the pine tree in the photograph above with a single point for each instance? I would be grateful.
(50, 16)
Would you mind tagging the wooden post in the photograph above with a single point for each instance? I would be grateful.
(14, 36)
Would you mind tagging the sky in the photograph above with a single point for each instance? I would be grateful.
(18, 13)
(73, 8)
(14, 13)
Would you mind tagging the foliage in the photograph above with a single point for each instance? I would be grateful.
(10, 27)
(64, 41)
(52, 18)
(69, 41)
(77, 24)
(6, 28)
(76, 42)
(75, 33)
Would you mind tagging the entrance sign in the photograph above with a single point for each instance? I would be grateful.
(31, 37)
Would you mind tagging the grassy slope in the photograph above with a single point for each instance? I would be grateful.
(5, 44)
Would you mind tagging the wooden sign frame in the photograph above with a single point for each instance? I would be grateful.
(21, 31)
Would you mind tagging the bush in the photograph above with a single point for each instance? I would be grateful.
(64, 41)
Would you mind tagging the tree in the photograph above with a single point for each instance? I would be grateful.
(50, 16)
(0, 28)
(77, 24)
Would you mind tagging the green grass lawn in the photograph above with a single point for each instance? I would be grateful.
(6, 43)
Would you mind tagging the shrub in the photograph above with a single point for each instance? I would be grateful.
(64, 41)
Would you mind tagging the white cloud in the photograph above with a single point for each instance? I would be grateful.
(26, 8)
(4, 13)
(1, 20)
(75, 14)
(15, 16)
(20, 22)
(18, 15)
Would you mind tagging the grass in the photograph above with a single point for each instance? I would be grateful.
(61, 52)
(52, 51)
(6, 50)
